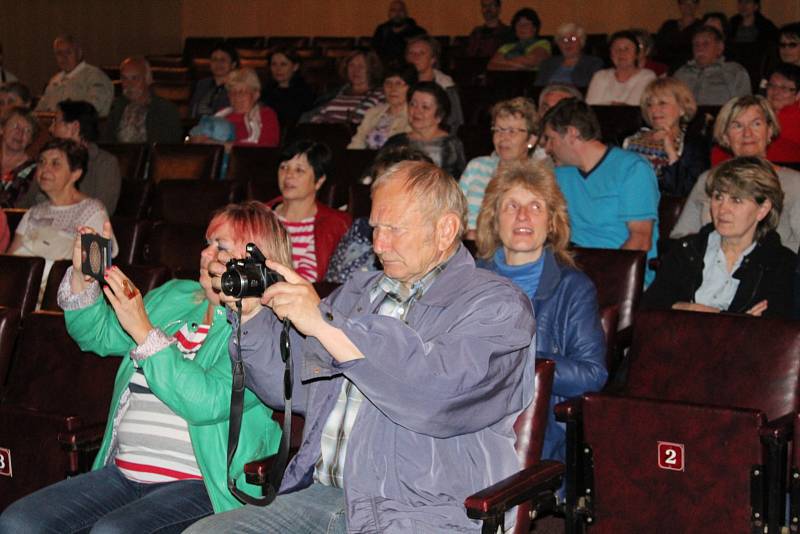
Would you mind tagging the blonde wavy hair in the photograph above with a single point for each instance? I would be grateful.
(674, 87)
(738, 105)
(519, 107)
(539, 179)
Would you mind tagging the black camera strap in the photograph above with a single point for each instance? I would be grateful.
(237, 408)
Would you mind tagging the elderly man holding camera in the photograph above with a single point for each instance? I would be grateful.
(410, 380)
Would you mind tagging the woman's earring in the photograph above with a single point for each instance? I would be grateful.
(530, 146)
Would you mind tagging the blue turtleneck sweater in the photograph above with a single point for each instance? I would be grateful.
(526, 276)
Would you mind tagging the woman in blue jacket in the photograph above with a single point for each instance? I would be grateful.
(523, 234)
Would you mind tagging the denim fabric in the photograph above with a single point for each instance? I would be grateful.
(316, 509)
(104, 502)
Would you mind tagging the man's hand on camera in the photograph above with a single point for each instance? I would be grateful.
(295, 298)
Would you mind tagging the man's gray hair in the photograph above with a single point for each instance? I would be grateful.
(436, 192)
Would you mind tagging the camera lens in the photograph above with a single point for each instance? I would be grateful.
(232, 283)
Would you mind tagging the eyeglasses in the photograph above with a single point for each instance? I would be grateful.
(508, 131)
(570, 39)
(783, 88)
(788, 44)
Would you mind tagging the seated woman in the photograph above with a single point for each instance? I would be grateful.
(514, 134)
(363, 73)
(210, 94)
(48, 228)
(736, 263)
(625, 83)
(255, 125)
(572, 67)
(287, 92)
(162, 463)
(16, 167)
(528, 51)
(428, 110)
(668, 106)
(745, 126)
(523, 234)
(314, 228)
(385, 120)
(13, 95)
(789, 43)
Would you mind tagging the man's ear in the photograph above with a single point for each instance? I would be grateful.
(447, 229)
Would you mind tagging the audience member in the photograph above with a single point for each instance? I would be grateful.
(612, 194)
(138, 115)
(48, 229)
(783, 94)
(572, 67)
(77, 120)
(354, 252)
(484, 40)
(314, 228)
(162, 462)
(623, 84)
(713, 80)
(77, 80)
(789, 44)
(287, 91)
(555, 93)
(5, 76)
(646, 47)
(718, 21)
(210, 94)
(423, 52)
(736, 263)
(362, 72)
(749, 26)
(253, 123)
(448, 399)
(515, 128)
(523, 234)
(677, 158)
(16, 167)
(673, 42)
(428, 110)
(13, 95)
(389, 39)
(745, 126)
(527, 51)
(385, 120)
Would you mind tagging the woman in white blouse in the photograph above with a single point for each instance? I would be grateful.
(625, 83)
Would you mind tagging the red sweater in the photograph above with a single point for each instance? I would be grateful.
(270, 130)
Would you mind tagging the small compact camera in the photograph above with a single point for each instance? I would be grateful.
(95, 256)
(248, 277)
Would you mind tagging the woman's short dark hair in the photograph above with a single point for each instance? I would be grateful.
(288, 51)
(319, 156)
(791, 30)
(575, 113)
(84, 114)
(625, 34)
(228, 48)
(439, 94)
(721, 17)
(405, 71)
(19, 89)
(527, 13)
(76, 154)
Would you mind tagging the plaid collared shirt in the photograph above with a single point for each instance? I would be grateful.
(397, 299)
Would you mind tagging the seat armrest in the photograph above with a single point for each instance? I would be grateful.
(624, 338)
(81, 438)
(257, 471)
(569, 411)
(781, 428)
(536, 483)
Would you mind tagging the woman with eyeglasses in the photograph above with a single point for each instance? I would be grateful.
(789, 43)
(572, 67)
(514, 127)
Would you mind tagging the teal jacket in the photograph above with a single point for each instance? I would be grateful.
(197, 390)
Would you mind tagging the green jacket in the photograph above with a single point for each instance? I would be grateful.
(197, 390)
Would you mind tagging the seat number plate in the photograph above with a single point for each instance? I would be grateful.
(5, 462)
(671, 456)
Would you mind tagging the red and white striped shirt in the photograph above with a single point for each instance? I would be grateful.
(304, 257)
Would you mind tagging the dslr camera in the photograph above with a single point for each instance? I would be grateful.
(248, 277)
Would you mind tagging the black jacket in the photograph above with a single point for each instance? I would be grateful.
(766, 273)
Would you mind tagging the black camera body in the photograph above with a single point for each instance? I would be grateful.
(249, 277)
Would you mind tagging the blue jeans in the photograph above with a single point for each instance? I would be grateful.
(315, 509)
(104, 501)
